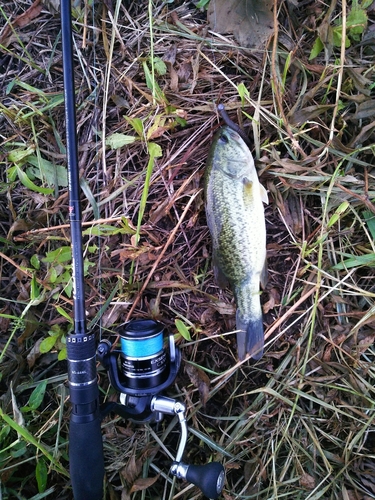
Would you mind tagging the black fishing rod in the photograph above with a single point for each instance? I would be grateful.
(85, 438)
(147, 367)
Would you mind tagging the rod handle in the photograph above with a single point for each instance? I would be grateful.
(86, 458)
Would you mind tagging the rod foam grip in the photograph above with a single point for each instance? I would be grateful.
(86, 459)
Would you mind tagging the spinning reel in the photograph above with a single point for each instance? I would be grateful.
(140, 372)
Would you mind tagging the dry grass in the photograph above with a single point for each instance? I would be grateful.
(298, 424)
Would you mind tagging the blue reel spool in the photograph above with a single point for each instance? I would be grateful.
(144, 361)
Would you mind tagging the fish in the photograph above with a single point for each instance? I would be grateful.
(234, 208)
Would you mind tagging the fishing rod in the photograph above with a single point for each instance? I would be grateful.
(140, 370)
(85, 438)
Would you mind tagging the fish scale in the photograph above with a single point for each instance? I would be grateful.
(235, 217)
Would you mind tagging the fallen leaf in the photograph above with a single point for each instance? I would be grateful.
(250, 21)
(274, 298)
(125, 494)
(21, 21)
(118, 140)
(34, 353)
(184, 71)
(132, 470)
(307, 481)
(142, 483)
(200, 380)
(365, 109)
(113, 313)
(365, 343)
(144, 254)
(309, 113)
(17, 414)
(325, 30)
(361, 82)
(31, 325)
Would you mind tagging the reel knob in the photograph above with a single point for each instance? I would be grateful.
(208, 478)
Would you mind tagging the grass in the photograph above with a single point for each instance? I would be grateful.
(299, 423)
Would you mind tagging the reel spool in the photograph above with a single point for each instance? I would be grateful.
(140, 372)
(144, 361)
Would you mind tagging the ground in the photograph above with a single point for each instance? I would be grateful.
(298, 423)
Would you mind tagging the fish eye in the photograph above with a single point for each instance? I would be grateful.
(224, 138)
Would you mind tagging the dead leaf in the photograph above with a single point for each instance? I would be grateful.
(361, 82)
(174, 78)
(364, 134)
(184, 72)
(132, 470)
(309, 113)
(293, 213)
(307, 481)
(52, 5)
(19, 225)
(337, 144)
(113, 313)
(325, 30)
(21, 21)
(142, 483)
(250, 21)
(280, 353)
(144, 254)
(4, 321)
(224, 308)
(170, 59)
(200, 380)
(17, 414)
(365, 109)
(365, 343)
(170, 54)
(34, 354)
(31, 325)
(274, 299)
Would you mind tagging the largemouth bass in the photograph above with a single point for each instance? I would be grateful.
(235, 217)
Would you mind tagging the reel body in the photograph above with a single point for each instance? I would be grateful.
(140, 372)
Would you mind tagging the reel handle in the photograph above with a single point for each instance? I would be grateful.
(208, 478)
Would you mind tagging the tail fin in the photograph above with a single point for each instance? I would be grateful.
(250, 337)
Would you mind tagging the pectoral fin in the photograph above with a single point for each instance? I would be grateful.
(264, 275)
(263, 194)
(247, 187)
(248, 190)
